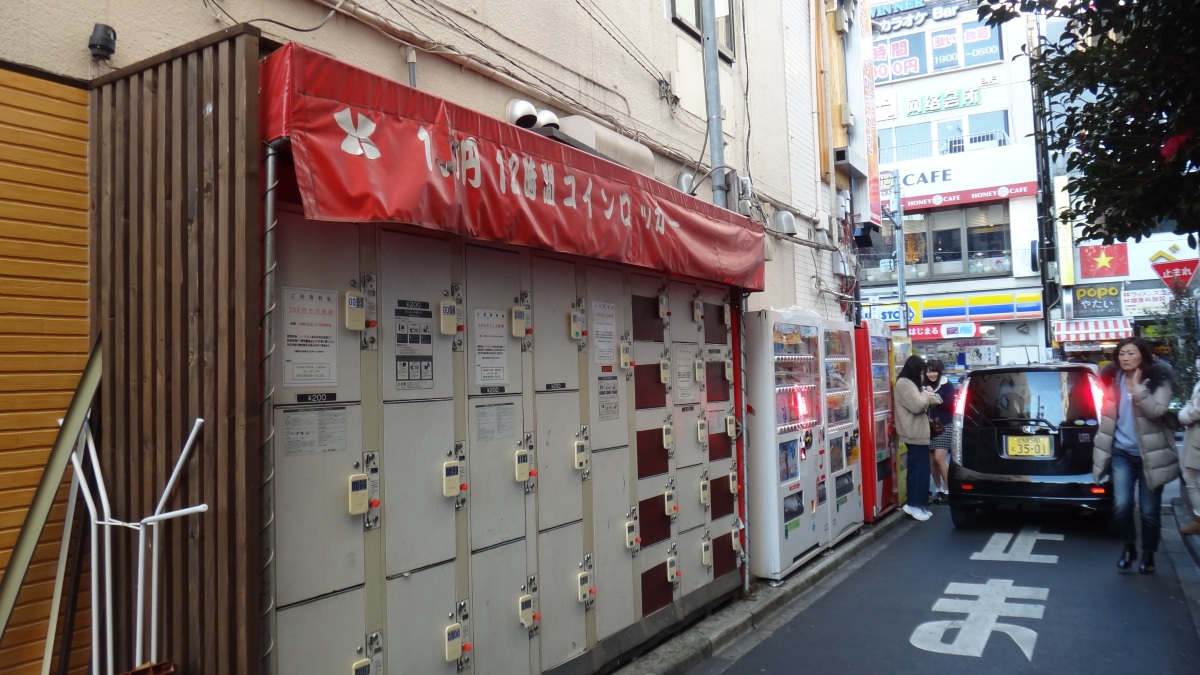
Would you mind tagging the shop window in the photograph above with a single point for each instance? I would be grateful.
(910, 141)
(950, 137)
(686, 14)
(947, 243)
(989, 129)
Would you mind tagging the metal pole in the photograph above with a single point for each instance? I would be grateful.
(712, 99)
(162, 504)
(897, 217)
(410, 55)
(94, 456)
(95, 587)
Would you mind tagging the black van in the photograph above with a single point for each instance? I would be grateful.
(1022, 437)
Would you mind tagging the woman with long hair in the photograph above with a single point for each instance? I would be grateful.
(939, 446)
(1134, 443)
(913, 399)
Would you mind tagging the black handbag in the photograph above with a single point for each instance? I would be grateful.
(935, 427)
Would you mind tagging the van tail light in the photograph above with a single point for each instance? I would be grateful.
(1097, 490)
(1098, 397)
(960, 403)
(956, 429)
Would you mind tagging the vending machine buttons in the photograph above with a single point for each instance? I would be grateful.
(664, 307)
(736, 539)
(521, 459)
(731, 426)
(454, 644)
(451, 483)
(729, 370)
(727, 317)
(359, 495)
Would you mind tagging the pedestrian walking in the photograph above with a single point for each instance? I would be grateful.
(913, 399)
(1135, 444)
(1189, 457)
(939, 446)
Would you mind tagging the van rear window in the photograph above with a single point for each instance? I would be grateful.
(1025, 397)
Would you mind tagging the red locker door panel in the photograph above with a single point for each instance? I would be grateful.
(648, 389)
(651, 455)
(722, 498)
(724, 557)
(653, 521)
(656, 590)
(719, 446)
(647, 325)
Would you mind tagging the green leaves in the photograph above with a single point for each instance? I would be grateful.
(1121, 81)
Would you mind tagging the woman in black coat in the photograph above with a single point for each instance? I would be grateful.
(939, 446)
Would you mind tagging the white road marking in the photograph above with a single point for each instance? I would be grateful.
(982, 614)
(1021, 549)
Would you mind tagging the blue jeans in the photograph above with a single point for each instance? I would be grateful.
(1126, 472)
(918, 476)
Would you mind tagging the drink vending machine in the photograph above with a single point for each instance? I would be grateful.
(799, 403)
(873, 350)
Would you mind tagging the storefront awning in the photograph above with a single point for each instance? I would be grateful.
(368, 149)
(1092, 330)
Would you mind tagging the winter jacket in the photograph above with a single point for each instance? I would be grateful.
(912, 423)
(1189, 417)
(944, 411)
(1160, 461)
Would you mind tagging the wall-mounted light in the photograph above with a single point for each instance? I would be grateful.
(103, 43)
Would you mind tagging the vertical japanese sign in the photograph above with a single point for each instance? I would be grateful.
(309, 336)
(875, 214)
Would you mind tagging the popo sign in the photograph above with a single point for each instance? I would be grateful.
(1176, 274)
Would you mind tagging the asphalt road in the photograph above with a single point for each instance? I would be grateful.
(1019, 593)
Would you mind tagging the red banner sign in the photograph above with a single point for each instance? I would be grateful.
(368, 149)
(1176, 274)
(987, 194)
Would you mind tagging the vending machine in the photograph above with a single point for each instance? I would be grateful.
(873, 349)
(787, 474)
(842, 438)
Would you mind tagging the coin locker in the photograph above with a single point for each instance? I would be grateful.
(561, 559)
(558, 323)
(418, 445)
(612, 512)
(420, 606)
(497, 501)
(499, 579)
(610, 358)
(326, 635)
(496, 318)
(560, 440)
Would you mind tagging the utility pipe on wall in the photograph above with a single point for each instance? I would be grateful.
(712, 98)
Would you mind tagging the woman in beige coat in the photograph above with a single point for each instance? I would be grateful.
(913, 398)
(1189, 458)
(1134, 442)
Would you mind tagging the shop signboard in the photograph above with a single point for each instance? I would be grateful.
(1143, 298)
(943, 331)
(1097, 300)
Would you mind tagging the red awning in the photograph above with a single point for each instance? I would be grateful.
(1092, 330)
(368, 149)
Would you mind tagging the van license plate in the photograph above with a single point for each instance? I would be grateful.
(1028, 446)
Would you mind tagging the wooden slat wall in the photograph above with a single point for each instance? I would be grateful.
(175, 286)
(43, 322)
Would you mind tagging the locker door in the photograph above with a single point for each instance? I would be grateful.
(555, 351)
(687, 494)
(686, 386)
(315, 352)
(414, 286)
(498, 580)
(418, 441)
(319, 543)
(560, 553)
(696, 574)
(323, 636)
(493, 289)
(496, 500)
(658, 590)
(689, 449)
(418, 605)
(607, 330)
(613, 572)
(684, 326)
(559, 483)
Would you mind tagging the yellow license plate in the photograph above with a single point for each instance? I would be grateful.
(1028, 446)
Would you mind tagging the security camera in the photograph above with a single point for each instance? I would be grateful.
(103, 42)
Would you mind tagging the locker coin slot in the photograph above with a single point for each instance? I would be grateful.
(727, 317)
(448, 322)
(706, 553)
(626, 355)
(664, 306)
(575, 324)
(704, 493)
(631, 537)
(581, 456)
(733, 484)
(670, 507)
(731, 426)
(699, 368)
(697, 310)
(359, 495)
(736, 539)
(673, 572)
(585, 587)
(520, 317)
(523, 472)
(729, 370)
(454, 644)
(668, 437)
(702, 431)
(664, 371)
(356, 311)
(451, 483)
(525, 608)
(361, 667)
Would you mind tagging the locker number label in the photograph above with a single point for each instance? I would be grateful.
(359, 495)
(453, 642)
(451, 479)
(521, 460)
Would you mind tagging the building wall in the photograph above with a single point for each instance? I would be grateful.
(43, 319)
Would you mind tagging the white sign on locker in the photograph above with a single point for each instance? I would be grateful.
(495, 421)
(309, 336)
(684, 359)
(609, 398)
(414, 344)
(308, 431)
(604, 332)
(491, 347)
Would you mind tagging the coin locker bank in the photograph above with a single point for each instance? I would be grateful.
(505, 434)
(804, 464)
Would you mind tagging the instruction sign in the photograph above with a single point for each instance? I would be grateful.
(414, 344)
(604, 332)
(495, 421)
(309, 336)
(491, 347)
(609, 397)
(309, 431)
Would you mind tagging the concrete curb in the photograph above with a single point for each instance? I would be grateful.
(1182, 517)
(715, 632)
(1185, 554)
